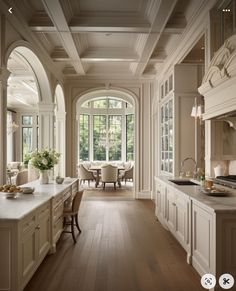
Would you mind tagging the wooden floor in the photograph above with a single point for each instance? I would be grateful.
(121, 248)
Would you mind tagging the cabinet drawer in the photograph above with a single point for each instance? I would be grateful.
(57, 212)
(57, 199)
(57, 229)
(28, 223)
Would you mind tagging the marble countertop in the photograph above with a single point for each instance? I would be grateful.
(215, 203)
(18, 207)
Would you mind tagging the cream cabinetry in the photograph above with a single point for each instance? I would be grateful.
(204, 226)
(34, 241)
(177, 127)
(173, 211)
(161, 202)
(203, 245)
(30, 226)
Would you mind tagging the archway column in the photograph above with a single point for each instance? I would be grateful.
(46, 125)
(60, 140)
(4, 74)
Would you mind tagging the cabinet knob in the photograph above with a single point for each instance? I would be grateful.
(37, 227)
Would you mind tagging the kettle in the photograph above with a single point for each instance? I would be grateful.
(218, 170)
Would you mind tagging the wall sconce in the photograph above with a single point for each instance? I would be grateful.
(196, 111)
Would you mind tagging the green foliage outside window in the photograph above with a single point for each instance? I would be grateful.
(130, 137)
(99, 126)
(84, 137)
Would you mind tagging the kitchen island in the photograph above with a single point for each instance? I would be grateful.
(30, 226)
(204, 225)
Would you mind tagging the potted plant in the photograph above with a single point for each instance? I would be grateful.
(44, 160)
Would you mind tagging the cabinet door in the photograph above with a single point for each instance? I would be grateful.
(182, 221)
(203, 240)
(43, 228)
(170, 209)
(28, 251)
(161, 203)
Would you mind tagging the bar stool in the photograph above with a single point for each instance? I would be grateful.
(71, 214)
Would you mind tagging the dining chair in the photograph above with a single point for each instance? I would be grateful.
(70, 215)
(109, 174)
(128, 174)
(85, 174)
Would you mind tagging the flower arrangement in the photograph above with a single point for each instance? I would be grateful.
(44, 159)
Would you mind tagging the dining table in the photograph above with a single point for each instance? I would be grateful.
(98, 170)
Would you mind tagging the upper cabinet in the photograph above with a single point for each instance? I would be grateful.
(177, 127)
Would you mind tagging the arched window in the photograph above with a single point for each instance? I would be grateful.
(106, 130)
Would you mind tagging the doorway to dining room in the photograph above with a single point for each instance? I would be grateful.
(106, 131)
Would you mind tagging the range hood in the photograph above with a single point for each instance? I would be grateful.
(219, 84)
(230, 118)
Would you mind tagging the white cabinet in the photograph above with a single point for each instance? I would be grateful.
(173, 211)
(203, 244)
(177, 126)
(177, 216)
(161, 201)
(34, 241)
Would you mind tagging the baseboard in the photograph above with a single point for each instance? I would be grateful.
(144, 195)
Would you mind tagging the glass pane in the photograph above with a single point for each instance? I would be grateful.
(102, 103)
(113, 103)
(27, 120)
(114, 137)
(86, 104)
(27, 140)
(227, 21)
(130, 137)
(84, 137)
(99, 137)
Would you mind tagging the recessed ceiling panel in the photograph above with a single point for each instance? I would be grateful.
(111, 5)
(113, 40)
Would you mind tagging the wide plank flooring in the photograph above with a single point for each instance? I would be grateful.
(122, 247)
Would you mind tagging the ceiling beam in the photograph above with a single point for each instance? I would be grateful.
(162, 15)
(55, 12)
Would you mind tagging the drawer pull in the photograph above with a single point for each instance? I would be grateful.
(173, 204)
(37, 227)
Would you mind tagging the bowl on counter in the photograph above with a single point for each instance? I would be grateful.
(27, 190)
(11, 195)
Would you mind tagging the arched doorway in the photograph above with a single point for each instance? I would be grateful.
(29, 101)
(121, 110)
(60, 133)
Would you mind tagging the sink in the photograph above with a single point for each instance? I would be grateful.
(183, 182)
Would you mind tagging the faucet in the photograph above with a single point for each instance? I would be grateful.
(195, 166)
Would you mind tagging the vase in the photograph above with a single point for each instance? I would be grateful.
(43, 177)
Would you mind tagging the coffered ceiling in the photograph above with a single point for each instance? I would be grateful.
(107, 38)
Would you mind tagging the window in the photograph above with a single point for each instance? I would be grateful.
(27, 140)
(29, 133)
(130, 137)
(99, 137)
(84, 137)
(114, 137)
(106, 130)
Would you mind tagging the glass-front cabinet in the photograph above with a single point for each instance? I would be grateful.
(167, 137)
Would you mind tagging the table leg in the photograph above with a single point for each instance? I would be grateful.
(97, 179)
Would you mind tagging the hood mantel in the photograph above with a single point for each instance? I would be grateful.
(219, 83)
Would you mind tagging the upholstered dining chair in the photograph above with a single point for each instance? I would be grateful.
(128, 174)
(21, 178)
(71, 214)
(85, 174)
(109, 174)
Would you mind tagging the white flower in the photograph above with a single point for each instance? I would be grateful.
(44, 161)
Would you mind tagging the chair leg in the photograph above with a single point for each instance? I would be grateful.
(89, 183)
(104, 185)
(115, 185)
(72, 228)
(77, 223)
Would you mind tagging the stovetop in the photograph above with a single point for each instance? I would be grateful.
(229, 180)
